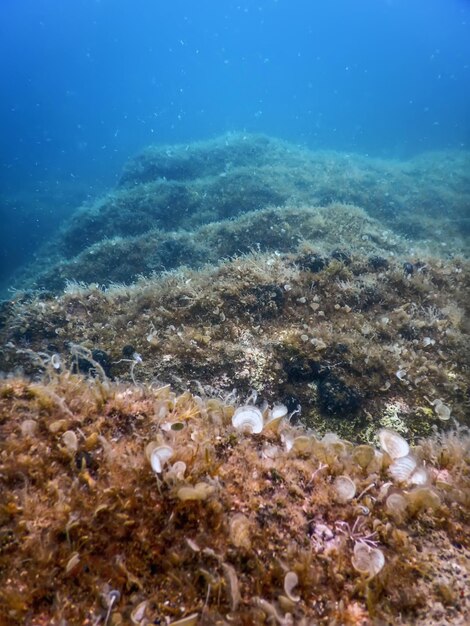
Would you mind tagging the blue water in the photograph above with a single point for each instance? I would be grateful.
(87, 83)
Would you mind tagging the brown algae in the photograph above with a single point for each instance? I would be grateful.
(238, 535)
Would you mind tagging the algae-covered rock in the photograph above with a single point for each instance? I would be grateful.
(193, 396)
(118, 515)
(355, 347)
(184, 204)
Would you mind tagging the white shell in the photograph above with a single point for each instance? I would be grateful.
(377, 462)
(291, 580)
(367, 560)
(288, 441)
(240, 533)
(159, 456)
(175, 472)
(395, 505)
(248, 419)
(276, 415)
(138, 613)
(334, 444)
(278, 411)
(363, 455)
(419, 477)
(442, 410)
(193, 545)
(179, 469)
(28, 428)
(200, 491)
(70, 441)
(302, 444)
(72, 562)
(394, 445)
(270, 452)
(402, 468)
(345, 488)
(330, 438)
(422, 498)
(383, 491)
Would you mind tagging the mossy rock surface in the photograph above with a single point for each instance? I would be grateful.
(348, 341)
(242, 270)
(226, 524)
(220, 194)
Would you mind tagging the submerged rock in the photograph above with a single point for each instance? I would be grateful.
(214, 523)
(191, 204)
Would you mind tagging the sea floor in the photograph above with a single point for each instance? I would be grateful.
(324, 298)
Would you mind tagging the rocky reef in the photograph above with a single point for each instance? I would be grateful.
(353, 342)
(235, 389)
(200, 203)
(134, 505)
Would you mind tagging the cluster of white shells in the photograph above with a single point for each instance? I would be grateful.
(250, 419)
(408, 490)
(159, 455)
(405, 470)
(404, 467)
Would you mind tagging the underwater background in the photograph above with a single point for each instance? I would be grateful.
(235, 313)
(87, 84)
